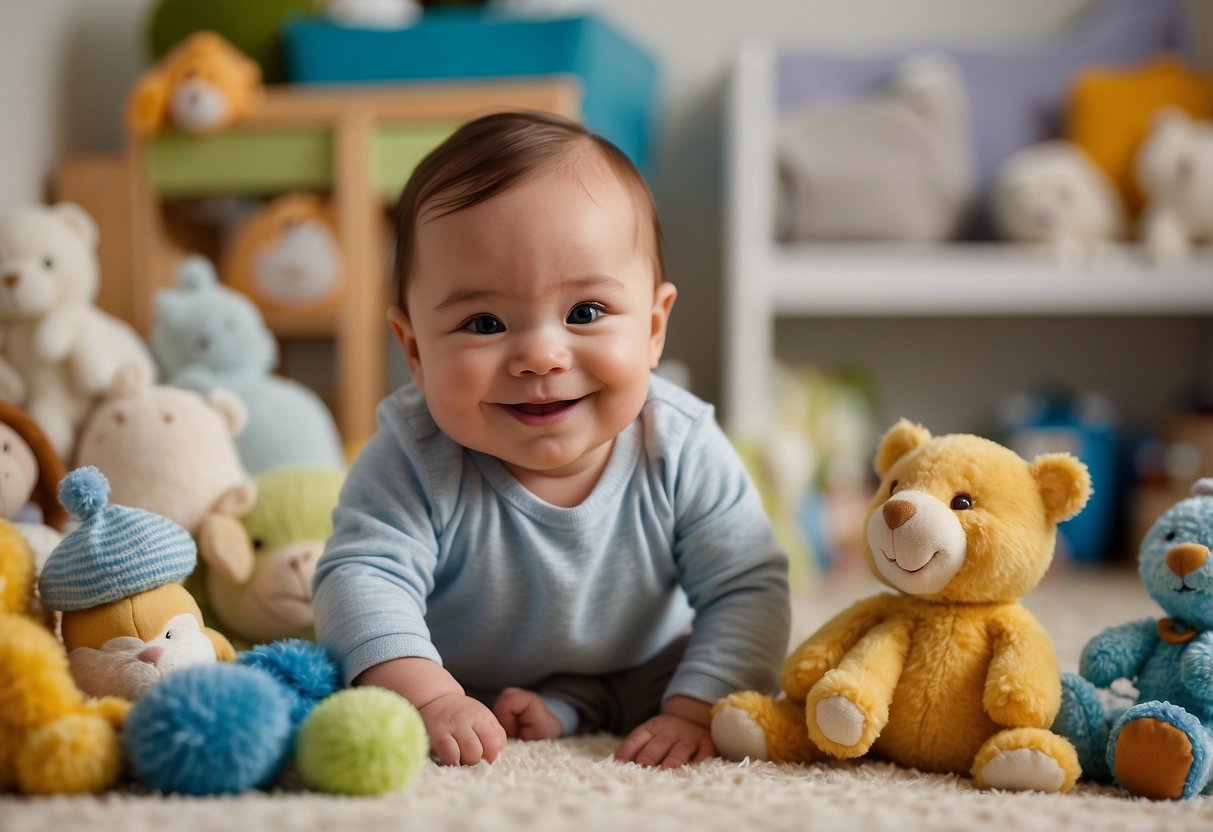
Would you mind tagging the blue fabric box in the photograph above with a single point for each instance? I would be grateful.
(619, 77)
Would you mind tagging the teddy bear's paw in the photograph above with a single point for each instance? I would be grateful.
(738, 735)
(1160, 751)
(1023, 769)
(840, 720)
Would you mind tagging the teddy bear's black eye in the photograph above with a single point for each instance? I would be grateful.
(258, 543)
(49, 262)
(962, 502)
(1171, 535)
(168, 634)
(892, 487)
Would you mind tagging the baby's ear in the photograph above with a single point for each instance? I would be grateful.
(898, 441)
(1064, 483)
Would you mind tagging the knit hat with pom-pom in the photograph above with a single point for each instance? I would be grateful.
(115, 553)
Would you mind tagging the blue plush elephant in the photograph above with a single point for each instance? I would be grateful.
(207, 335)
(1161, 747)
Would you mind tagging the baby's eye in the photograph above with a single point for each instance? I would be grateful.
(484, 325)
(585, 313)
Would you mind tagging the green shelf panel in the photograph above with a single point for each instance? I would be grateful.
(396, 151)
(245, 161)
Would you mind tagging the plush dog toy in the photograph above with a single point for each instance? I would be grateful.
(208, 336)
(1175, 170)
(258, 569)
(952, 674)
(59, 351)
(202, 85)
(286, 256)
(127, 620)
(1162, 746)
(52, 739)
(169, 451)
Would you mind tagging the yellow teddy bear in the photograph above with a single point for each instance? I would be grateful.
(952, 674)
(52, 739)
(202, 85)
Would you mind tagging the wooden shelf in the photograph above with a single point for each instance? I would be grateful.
(887, 279)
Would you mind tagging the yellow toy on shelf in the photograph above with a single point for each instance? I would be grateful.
(952, 674)
(52, 739)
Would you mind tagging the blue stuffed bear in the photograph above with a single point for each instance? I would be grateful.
(207, 335)
(1161, 747)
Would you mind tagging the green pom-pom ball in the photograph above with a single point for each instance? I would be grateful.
(361, 741)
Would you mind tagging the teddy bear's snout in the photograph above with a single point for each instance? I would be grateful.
(897, 512)
(1186, 558)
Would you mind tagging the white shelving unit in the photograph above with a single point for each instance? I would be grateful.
(766, 281)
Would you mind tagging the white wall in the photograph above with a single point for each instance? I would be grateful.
(69, 63)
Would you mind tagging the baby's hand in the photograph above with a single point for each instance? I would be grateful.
(675, 737)
(462, 730)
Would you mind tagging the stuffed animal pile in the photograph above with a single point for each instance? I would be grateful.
(952, 673)
(1161, 746)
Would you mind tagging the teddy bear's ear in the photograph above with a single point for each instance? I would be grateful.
(230, 407)
(196, 274)
(1064, 483)
(129, 380)
(899, 440)
(225, 547)
(78, 220)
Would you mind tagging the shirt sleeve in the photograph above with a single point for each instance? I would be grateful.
(733, 572)
(378, 566)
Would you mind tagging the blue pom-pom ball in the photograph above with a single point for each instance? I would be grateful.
(305, 669)
(210, 729)
(84, 491)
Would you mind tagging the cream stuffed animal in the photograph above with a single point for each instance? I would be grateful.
(1053, 193)
(168, 450)
(58, 352)
(1175, 169)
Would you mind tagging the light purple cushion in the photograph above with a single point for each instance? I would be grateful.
(1016, 94)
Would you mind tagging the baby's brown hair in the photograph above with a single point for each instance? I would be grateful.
(489, 155)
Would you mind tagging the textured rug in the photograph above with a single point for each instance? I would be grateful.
(575, 785)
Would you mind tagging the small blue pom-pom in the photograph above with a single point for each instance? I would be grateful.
(84, 492)
(196, 274)
(306, 670)
(210, 729)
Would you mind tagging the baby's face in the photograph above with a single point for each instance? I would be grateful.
(534, 318)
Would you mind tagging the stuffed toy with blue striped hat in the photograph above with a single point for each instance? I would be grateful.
(127, 619)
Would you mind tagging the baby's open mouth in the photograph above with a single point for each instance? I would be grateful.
(542, 408)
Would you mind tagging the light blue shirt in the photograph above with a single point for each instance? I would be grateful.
(437, 551)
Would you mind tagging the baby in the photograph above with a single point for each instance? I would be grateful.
(543, 538)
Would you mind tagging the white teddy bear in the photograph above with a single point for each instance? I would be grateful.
(1175, 170)
(1053, 193)
(58, 352)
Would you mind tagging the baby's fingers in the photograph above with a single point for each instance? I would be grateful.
(632, 744)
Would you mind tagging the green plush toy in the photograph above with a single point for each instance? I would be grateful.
(259, 568)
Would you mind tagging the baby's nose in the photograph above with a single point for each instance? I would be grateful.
(540, 354)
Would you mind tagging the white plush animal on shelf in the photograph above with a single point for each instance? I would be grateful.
(1053, 193)
(59, 352)
(1175, 169)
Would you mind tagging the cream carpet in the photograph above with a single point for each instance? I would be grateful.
(574, 784)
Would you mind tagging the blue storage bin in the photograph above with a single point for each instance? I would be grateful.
(619, 77)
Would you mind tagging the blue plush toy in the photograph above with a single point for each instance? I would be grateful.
(1161, 747)
(207, 335)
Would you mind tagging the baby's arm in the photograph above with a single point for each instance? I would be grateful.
(462, 731)
(680, 734)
